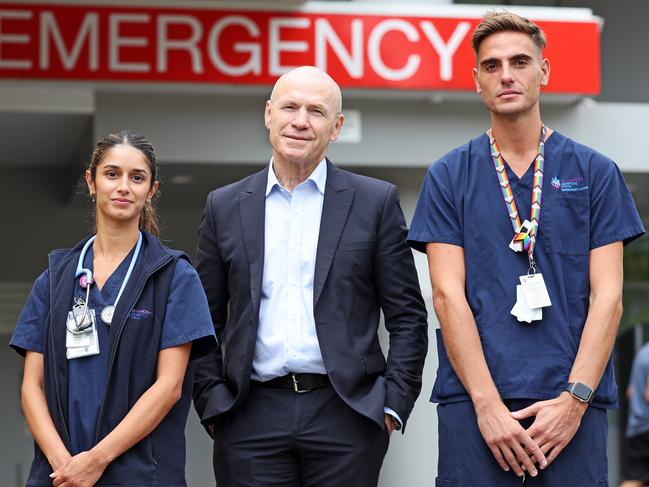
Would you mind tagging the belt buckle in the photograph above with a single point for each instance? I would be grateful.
(296, 386)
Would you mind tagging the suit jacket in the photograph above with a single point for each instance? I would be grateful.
(363, 265)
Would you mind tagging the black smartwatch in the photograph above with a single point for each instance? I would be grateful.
(580, 391)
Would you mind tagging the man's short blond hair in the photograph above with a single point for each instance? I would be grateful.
(503, 21)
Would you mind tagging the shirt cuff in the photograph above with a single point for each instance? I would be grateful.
(392, 413)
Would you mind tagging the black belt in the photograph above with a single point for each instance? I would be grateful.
(299, 383)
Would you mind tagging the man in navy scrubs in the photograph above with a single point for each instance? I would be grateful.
(524, 230)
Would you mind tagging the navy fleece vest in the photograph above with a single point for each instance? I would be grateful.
(159, 458)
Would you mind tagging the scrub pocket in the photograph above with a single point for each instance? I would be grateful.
(565, 225)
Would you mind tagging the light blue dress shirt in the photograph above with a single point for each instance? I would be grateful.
(286, 336)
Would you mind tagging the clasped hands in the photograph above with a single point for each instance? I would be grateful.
(555, 423)
(81, 470)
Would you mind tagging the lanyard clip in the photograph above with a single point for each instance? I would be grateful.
(532, 268)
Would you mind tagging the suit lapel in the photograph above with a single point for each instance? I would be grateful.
(252, 210)
(338, 199)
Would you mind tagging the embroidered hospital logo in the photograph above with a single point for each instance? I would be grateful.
(569, 185)
(140, 314)
(556, 183)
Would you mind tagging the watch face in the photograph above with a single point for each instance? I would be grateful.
(581, 391)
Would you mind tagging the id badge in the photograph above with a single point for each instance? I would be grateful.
(536, 294)
(522, 311)
(82, 344)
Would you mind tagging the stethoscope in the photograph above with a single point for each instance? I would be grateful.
(83, 322)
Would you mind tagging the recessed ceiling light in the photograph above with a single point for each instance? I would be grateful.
(181, 179)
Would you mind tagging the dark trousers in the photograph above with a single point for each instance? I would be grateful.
(465, 458)
(637, 458)
(280, 438)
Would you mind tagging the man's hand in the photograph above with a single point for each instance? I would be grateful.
(508, 441)
(389, 425)
(83, 470)
(556, 422)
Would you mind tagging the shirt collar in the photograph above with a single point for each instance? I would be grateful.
(318, 176)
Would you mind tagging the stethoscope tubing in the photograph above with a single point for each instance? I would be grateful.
(80, 328)
(80, 271)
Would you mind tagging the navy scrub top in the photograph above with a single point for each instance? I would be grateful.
(187, 319)
(585, 204)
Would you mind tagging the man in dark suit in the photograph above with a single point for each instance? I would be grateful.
(297, 262)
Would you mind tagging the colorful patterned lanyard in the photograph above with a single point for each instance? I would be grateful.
(525, 241)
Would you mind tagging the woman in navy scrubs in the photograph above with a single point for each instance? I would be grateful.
(108, 333)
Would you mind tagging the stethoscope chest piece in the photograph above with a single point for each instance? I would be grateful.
(107, 314)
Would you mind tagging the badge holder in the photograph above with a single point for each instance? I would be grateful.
(531, 296)
(84, 342)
